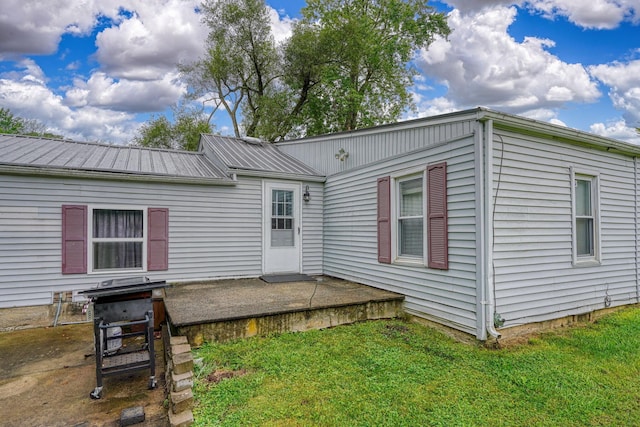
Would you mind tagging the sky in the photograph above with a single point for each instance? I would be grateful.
(95, 70)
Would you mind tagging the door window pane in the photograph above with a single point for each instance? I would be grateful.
(282, 224)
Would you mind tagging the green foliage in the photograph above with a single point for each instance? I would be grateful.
(366, 81)
(240, 66)
(344, 67)
(183, 134)
(403, 374)
(12, 124)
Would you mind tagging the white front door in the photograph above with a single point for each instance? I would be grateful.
(282, 224)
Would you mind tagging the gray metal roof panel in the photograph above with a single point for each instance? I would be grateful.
(239, 154)
(26, 151)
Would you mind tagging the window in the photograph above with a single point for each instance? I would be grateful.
(410, 218)
(585, 227)
(114, 239)
(117, 239)
(282, 230)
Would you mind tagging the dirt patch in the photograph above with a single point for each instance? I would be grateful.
(46, 376)
(220, 374)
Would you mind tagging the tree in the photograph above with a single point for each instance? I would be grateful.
(240, 64)
(183, 134)
(12, 124)
(367, 79)
(346, 65)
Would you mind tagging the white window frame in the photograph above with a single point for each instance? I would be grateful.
(91, 239)
(396, 179)
(594, 179)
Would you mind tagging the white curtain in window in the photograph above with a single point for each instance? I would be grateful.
(110, 226)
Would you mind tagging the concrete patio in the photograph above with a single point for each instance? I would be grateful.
(231, 309)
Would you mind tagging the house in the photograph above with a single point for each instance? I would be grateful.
(485, 221)
(74, 214)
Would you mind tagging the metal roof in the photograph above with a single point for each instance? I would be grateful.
(39, 155)
(255, 156)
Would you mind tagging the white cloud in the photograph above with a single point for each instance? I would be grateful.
(482, 64)
(281, 25)
(616, 130)
(35, 27)
(32, 99)
(433, 107)
(137, 54)
(157, 36)
(623, 80)
(598, 14)
(125, 95)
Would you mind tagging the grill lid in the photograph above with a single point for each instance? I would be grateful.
(123, 286)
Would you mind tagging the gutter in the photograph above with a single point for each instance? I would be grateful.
(554, 132)
(111, 176)
(488, 279)
(277, 175)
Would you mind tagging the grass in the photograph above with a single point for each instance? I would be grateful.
(393, 373)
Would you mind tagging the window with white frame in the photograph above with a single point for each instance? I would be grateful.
(585, 231)
(117, 239)
(410, 217)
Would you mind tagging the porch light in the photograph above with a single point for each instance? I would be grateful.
(306, 196)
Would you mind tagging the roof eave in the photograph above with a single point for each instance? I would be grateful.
(556, 132)
(277, 175)
(111, 175)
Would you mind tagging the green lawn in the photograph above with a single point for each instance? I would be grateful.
(393, 373)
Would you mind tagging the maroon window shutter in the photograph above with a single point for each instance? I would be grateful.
(437, 231)
(74, 239)
(158, 239)
(384, 220)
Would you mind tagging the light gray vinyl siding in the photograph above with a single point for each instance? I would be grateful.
(535, 279)
(372, 145)
(636, 164)
(214, 231)
(350, 237)
(312, 227)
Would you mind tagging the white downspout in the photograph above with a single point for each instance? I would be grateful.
(489, 291)
(481, 298)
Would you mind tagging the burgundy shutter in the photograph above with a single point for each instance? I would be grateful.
(158, 239)
(74, 239)
(437, 231)
(384, 220)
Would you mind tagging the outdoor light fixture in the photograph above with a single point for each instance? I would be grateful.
(306, 196)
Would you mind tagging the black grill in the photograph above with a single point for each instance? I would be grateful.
(123, 309)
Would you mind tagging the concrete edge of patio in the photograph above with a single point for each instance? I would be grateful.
(231, 309)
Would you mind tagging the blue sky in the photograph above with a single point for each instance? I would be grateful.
(95, 70)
